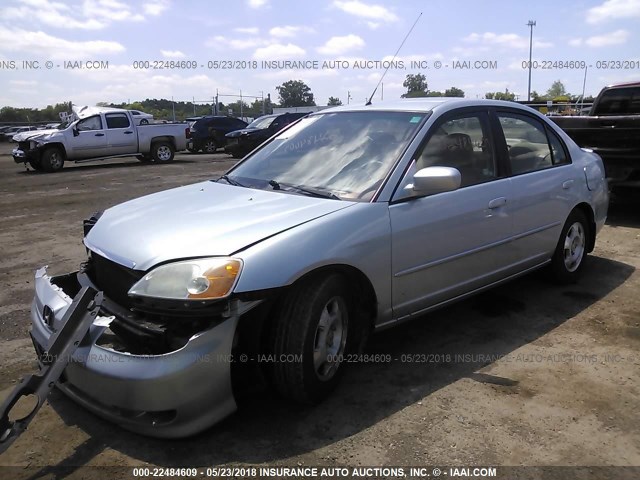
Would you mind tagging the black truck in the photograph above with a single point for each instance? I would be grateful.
(612, 130)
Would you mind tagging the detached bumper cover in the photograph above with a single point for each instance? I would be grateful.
(170, 395)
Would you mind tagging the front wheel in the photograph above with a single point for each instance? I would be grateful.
(571, 251)
(162, 152)
(309, 339)
(36, 165)
(52, 160)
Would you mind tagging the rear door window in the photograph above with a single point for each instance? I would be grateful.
(117, 120)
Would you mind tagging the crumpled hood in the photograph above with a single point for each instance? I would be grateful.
(204, 219)
(33, 135)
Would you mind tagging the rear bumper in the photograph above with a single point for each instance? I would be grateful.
(176, 394)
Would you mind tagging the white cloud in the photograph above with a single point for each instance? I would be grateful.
(614, 38)
(110, 10)
(247, 30)
(155, 8)
(289, 31)
(614, 9)
(172, 54)
(19, 40)
(506, 40)
(257, 3)
(221, 42)
(341, 45)
(278, 51)
(366, 10)
(50, 13)
(88, 15)
(575, 42)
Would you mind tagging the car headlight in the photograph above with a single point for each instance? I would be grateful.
(198, 279)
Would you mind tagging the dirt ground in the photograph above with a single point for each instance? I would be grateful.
(527, 374)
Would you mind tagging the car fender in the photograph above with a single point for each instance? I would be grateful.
(358, 236)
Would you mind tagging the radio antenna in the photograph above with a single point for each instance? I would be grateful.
(394, 57)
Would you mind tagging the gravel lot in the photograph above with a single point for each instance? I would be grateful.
(527, 374)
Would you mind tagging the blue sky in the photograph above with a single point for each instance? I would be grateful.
(349, 30)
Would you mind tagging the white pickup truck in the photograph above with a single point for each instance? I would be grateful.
(100, 133)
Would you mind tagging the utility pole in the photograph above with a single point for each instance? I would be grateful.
(531, 24)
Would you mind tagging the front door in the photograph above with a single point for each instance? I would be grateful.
(448, 244)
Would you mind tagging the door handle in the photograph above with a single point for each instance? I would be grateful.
(567, 185)
(99, 134)
(128, 132)
(497, 202)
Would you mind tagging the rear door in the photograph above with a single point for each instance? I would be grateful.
(544, 180)
(448, 244)
(121, 135)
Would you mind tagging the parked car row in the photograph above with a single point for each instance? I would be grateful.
(212, 132)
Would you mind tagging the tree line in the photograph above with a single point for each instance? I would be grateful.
(292, 93)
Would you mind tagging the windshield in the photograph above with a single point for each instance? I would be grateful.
(345, 154)
(261, 123)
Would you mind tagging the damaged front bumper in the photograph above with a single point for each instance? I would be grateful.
(169, 395)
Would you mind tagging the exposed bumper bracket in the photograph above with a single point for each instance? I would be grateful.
(76, 323)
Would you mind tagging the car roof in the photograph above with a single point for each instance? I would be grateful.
(427, 104)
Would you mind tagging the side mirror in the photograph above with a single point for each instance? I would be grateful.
(431, 180)
(75, 132)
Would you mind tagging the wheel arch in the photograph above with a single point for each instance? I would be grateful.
(586, 209)
(164, 138)
(58, 145)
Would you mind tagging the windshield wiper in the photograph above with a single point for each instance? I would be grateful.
(313, 192)
(228, 179)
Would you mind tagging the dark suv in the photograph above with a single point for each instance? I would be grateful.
(241, 142)
(208, 133)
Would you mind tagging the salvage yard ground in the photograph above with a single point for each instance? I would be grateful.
(527, 374)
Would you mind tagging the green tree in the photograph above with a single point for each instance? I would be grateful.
(295, 93)
(433, 93)
(416, 86)
(453, 92)
(536, 97)
(334, 101)
(506, 95)
(556, 90)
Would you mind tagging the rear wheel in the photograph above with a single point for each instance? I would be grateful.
(210, 146)
(309, 339)
(52, 159)
(144, 121)
(571, 252)
(162, 152)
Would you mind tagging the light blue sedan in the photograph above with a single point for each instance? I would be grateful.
(351, 220)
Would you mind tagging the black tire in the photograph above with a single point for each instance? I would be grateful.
(192, 150)
(313, 317)
(210, 146)
(571, 251)
(144, 158)
(162, 152)
(36, 165)
(144, 121)
(52, 159)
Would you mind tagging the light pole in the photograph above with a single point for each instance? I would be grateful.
(531, 24)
